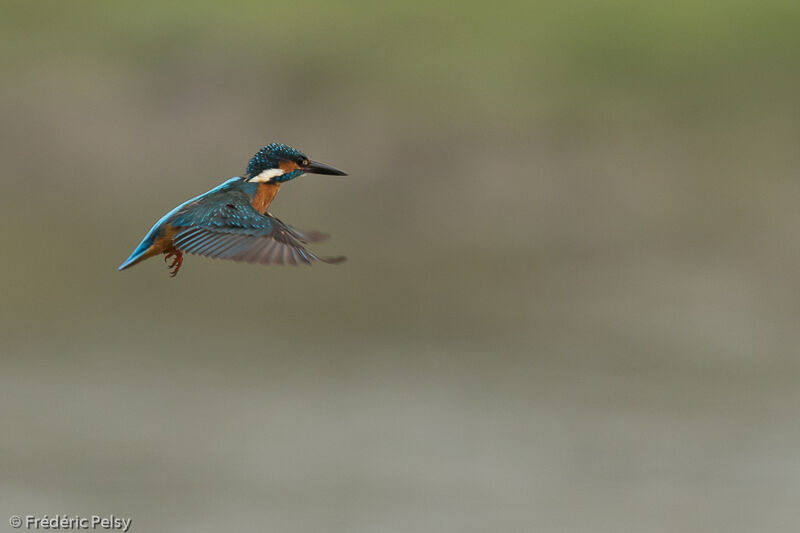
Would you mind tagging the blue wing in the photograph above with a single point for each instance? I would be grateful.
(224, 225)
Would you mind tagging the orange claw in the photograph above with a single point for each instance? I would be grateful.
(176, 262)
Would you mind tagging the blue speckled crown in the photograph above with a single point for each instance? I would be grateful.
(269, 157)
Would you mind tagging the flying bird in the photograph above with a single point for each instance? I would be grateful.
(231, 220)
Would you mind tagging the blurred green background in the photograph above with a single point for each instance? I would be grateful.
(571, 301)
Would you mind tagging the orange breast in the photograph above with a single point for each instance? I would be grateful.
(264, 195)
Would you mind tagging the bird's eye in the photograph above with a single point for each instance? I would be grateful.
(303, 162)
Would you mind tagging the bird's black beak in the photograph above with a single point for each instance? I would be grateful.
(321, 168)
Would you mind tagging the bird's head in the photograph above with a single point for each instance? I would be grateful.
(277, 163)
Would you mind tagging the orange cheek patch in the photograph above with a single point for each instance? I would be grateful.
(287, 166)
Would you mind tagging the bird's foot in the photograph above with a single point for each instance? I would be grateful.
(177, 261)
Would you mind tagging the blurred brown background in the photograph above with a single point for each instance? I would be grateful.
(571, 300)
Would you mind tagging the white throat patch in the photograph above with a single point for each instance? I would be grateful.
(268, 175)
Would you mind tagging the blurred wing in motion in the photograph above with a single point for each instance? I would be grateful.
(307, 237)
(226, 226)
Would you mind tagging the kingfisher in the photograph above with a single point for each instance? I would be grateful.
(231, 221)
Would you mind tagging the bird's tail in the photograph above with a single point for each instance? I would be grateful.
(139, 254)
